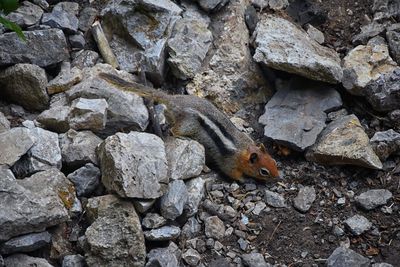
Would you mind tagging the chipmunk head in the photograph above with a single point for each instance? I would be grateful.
(257, 163)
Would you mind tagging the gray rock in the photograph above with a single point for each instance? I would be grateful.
(385, 9)
(143, 205)
(196, 192)
(212, 5)
(1, 261)
(358, 224)
(115, 238)
(344, 141)
(214, 227)
(163, 233)
(367, 32)
(191, 257)
(188, 46)
(87, 17)
(42, 48)
(153, 220)
(88, 114)
(278, 4)
(304, 198)
(174, 200)
(55, 119)
(386, 143)
(85, 179)
(28, 206)
(77, 40)
(381, 264)
(69, 7)
(65, 79)
(125, 112)
(26, 15)
(42, 3)
(186, 158)
(274, 199)
(366, 63)
(282, 45)
(79, 148)
(140, 41)
(43, 155)
(191, 228)
(73, 261)
(134, 165)
(62, 20)
(344, 257)
(25, 85)
(84, 59)
(18, 260)
(384, 92)
(14, 144)
(393, 38)
(164, 257)
(4, 123)
(315, 34)
(296, 116)
(254, 260)
(372, 199)
(26, 243)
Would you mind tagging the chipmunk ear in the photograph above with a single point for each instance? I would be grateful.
(262, 148)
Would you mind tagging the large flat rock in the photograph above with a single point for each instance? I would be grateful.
(284, 46)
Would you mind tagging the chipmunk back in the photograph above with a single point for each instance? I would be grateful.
(233, 152)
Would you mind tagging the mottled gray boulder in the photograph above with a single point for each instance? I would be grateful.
(115, 237)
(14, 144)
(26, 243)
(393, 38)
(74, 261)
(191, 228)
(196, 192)
(188, 46)
(212, 5)
(126, 111)
(385, 9)
(344, 141)
(85, 179)
(67, 6)
(134, 165)
(139, 43)
(153, 220)
(29, 206)
(386, 143)
(358, 224)
(164, 257)
(55, 119)
(296, 116)
(62, 20)
(255, 260)
(373, 198)
(174, 200)
(381, 264)
(4, 123)
(214, 227)
(42, 48)
(344, 257)
(186, 158)
(26, 15)
(304, 199)
(88, 114)
(191, 257)
(43, 155)
(282, 45)
(84, 59)
(274, 199)
(25, 84)
(366, 63)
(367, 32)
(79, 148)
(18, 260)
(384, 92)
(87, 17)
(65, 79)
(77, 41)
(163, 233)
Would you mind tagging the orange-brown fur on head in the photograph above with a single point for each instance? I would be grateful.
(257, 163)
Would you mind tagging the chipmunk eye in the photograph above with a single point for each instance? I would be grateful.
(253, 158)
(264, 172)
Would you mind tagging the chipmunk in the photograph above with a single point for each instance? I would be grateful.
(233, 152)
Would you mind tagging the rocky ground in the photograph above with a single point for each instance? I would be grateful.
(85, 182)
